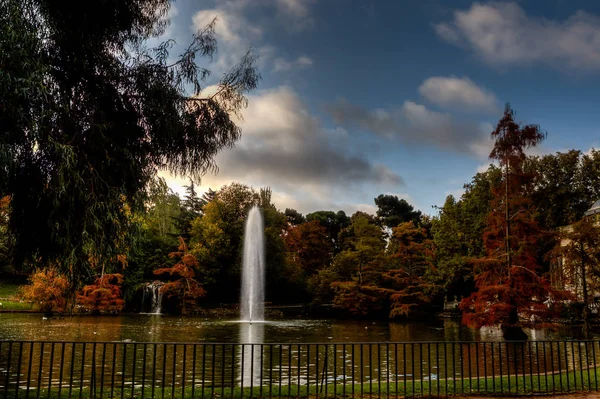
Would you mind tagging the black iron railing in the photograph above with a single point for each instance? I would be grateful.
(204, 370)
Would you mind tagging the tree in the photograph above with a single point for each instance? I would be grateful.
(104, 296)
(217, 239)
(508, 279)
(578, 250)
(48, 288)
(358, 267)
(163, 210)
(458, 231)
(559, 194)
(309, 247)
(91, 113)
(294, 217)
(333, 222)
(393, 211)
(183, 286)
(190, 209)
(408, 281)
(6, 239)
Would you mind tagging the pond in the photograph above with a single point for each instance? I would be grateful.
(160, 328)
(128, 349)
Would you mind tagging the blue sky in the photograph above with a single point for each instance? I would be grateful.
(360, 98)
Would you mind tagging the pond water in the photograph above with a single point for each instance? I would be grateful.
(159, 328)
(210, 353)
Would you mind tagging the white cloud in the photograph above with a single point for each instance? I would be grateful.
(283, 146)
(296, 13)
(230, 27)
(503, 34)
(234, 35)
(281, 64)
(458, 94)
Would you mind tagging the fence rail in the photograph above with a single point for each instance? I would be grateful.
(36, 369)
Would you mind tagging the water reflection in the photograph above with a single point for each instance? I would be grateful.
(250, 370)
(160, 328)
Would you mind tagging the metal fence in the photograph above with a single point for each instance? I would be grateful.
(206, 370)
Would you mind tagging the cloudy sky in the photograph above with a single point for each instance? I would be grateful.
(360, 98)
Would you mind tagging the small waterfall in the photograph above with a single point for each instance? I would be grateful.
(152, 292)
(252, 304)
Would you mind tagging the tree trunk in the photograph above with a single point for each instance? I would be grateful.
(511, 331)
(586, 313)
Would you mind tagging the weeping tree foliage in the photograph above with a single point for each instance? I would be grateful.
(90, 113)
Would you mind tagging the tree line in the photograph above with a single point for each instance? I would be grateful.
(493, 248)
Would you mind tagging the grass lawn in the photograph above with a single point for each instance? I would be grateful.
(523, 385)
(8, 288)
(8, 296)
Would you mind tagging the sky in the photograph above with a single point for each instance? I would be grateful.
(361, 98)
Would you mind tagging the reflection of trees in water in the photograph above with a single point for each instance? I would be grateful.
(207, 367)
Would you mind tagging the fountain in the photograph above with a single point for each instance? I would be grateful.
(253, 269)
(152, 290)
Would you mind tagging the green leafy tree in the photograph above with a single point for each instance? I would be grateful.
(163, 209)
(217, 242)
(294, 217)
(333, 222)
(358, 267)
(458, 233)
(217, 237)
(393, 211)
(91, 112)
(189, 210)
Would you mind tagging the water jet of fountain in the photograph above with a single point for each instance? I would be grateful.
(253, 268)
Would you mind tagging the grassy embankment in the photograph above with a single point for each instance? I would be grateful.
(8, 297)
(570, 382)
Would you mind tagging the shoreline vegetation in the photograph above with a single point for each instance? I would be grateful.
(10, 303)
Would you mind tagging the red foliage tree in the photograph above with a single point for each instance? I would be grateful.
(308, 246)
(183, 286)
(104, 296)
(511, 290)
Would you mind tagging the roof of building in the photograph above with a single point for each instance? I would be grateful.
(593, 210)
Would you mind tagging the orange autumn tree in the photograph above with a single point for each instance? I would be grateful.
(48, 288)
(183, 285)
(104, 296)
(308, 246)
(511, 289)
(411, 256)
